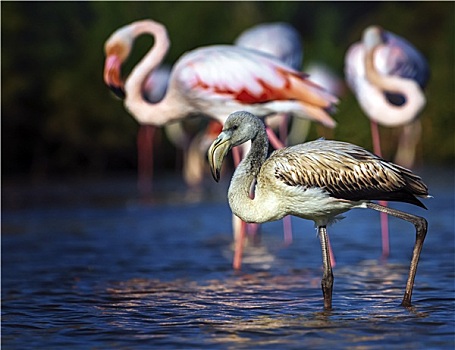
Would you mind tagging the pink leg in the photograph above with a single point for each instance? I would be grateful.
(332, 256)
(145, 138)
(384, 218)
(274, 140)
(238, 249)
(239, 237)
(287, 228)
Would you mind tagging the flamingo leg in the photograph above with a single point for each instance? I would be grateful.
(146, 134)
(407, 144)
(327, 277)
(421, 226)
(274, 140)
(383, 215)
(287, 229)
(239, 242)
(239, 226)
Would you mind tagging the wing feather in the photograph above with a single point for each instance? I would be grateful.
(346, 171)
(246, 76)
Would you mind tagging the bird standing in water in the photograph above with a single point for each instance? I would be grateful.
(387, 75)
(317, 181)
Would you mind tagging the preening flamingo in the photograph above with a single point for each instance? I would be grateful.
(388, 75)
(317, 181)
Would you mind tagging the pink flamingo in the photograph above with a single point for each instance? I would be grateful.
(214, 81)
(387, 75)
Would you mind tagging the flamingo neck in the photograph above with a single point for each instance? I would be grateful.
(143, 111)
(242, 204)
(382, 111)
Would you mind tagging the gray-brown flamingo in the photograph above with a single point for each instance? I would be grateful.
(317, 181)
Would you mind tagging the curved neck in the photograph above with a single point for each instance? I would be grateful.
(134, 101)
(385, 112)
(240, 199)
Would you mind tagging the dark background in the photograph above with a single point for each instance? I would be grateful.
(58, 117)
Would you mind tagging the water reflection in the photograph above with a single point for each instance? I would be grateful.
(262, 309)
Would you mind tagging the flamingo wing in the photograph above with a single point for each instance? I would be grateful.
(345, 171)
(405, 60)
(245, 76)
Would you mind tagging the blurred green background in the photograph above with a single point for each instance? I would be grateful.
(59, 118)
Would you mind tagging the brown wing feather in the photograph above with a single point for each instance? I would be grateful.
(346, 171)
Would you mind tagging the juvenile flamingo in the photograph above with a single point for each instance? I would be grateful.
(388, 75)
(317, 181)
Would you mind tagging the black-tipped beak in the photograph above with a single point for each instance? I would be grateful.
(118, 91)
(112, 76)
(217, 152)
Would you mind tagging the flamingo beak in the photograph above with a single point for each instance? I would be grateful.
(217, 152)
(112, 75)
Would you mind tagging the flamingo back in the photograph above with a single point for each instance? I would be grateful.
(278, 39)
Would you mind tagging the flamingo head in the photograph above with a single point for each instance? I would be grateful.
(372, 37)
(117, 49)
(239, 127)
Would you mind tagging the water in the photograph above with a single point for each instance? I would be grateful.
(89, 265)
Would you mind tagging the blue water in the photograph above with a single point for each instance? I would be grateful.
(89, 264)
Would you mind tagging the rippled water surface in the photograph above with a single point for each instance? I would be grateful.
(91, 265)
